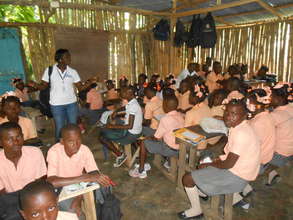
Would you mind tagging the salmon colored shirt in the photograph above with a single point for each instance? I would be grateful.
(171, 121)
(152, 109)
(235, 95)
(66, 216)
(31, 166)
(94, 98)
(196, 114)
(243, 141)
(212, 79)
(183, 100)
(217, 110)
(22, 95)
(283, 120)
(28, 129)
(112, 94)
(59, 164)
(264, 128)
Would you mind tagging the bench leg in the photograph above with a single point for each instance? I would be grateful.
(173, 167)
(89, 206)
(127, 150)
(228, 209)
(158, 160)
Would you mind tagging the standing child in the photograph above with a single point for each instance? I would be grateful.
(163, 141)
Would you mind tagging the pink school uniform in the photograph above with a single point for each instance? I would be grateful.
(183, 100)
(212, 79)
(94, 98)
(196, 114)
(152, 109)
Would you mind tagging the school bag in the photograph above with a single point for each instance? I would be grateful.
(162, 30)
(44, 97)
(107, 205)
(194, 35)
(9, 206)
(181, 35)
(208, 32)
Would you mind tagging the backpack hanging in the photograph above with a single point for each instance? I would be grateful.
(181, 35)
(194, 35)
(162, 30)
(44, 97)
(208, 32)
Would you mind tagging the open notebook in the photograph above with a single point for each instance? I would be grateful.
(188, 135)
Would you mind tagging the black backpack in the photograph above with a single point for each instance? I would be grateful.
(208, 32)
(181, 35)
(44, 97)
(194, 35)
(162, 30)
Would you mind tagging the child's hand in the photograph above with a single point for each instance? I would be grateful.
(76, 205)
(104, 180)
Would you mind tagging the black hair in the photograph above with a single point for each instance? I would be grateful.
(151, 89)
(34, 188)
(143, 75)
(172, 100)
(93, 85)
(16, 80)
(218, 92)
(69, 127)
(239, 102)
(168, 92)
(59, 54)
(216, 63)
(282, 93)
(264, 68)
(203, 88)
(9, 99)
(109, 81)
(252, 95)
(8, 126)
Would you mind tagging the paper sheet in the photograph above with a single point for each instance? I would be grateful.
(190, 135)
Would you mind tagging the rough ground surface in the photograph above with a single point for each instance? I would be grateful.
(155, 197)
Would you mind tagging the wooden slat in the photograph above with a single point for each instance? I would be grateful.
(269, 8)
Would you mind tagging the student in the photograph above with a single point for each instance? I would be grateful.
(234, 86)
(190, 71)
(215, 101)
(141, 85)
(215, 77)
(132, 126)
(39, 201)
(111, 92)
(66, 162)
(63, 80)
(283, 119)
(230, 172)
(123, 82)
(12, 109)
(163, 141)
(199, 110)
(152, 108)
(94, 105)
(183, 96)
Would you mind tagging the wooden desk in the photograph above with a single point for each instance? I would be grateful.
(88, 200)
(184, 145)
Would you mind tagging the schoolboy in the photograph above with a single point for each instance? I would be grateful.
(39, 201)
(132, 126)
(183, 96)
(66, 162)
(111, 92)
(12, 109)
(163, 141)
(215, 77)
(230, 172)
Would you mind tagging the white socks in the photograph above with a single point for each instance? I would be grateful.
(193, 197)
(272, 174)
(247, 189)
(236, 198)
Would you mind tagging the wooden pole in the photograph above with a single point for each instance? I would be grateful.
(172, 49)
(270, 8)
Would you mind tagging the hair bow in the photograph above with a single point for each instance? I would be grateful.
(198, 92)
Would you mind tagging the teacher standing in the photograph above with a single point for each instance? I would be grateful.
(63, 80)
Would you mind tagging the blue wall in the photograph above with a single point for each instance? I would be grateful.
(11, 63)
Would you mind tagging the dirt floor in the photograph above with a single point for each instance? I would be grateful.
(155, 198)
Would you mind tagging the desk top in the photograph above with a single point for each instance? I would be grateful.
(64, 195)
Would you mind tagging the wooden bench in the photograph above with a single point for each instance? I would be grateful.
(172, 173)
(216, 212)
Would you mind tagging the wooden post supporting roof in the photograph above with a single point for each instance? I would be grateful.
(171, 46)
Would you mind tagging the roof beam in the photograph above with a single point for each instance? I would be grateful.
(269, 8)
(214, 8)
(83, 6)
(221, 20)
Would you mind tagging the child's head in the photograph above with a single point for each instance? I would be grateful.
(11, 107)
(168, 92)
(262, 70)
(127, 93)
(71, 139)
(205, 68)
(93, 85)
(235, 112)
(196, 67)
(11, 139)
(184, 86)
(18, 83)
(142, 79)
(198, 94)
(279, 96)
(170, 103)
(110, 84)
(233, 84)
(38, 201)
(150, 92)
(217, 67)
(217, 97)
(209, 61)
(255, 100)
(191, 67)
(232, 70)
(123, 82)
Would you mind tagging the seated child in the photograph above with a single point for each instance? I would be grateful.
(131, 129)
(141, 85)
(111, 93)
(152, 108)
(11, 109)
(234, 86)
(199, 110)
(38, 200)
(94, 105)
(215, 101)
(19, 164)
(215, 77)
(163, 141)
(66, 162)
(282, 117)
(183, 96)
(230, 172)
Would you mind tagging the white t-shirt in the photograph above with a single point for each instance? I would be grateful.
(183, 76)
(133, 108)
(62, 85)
